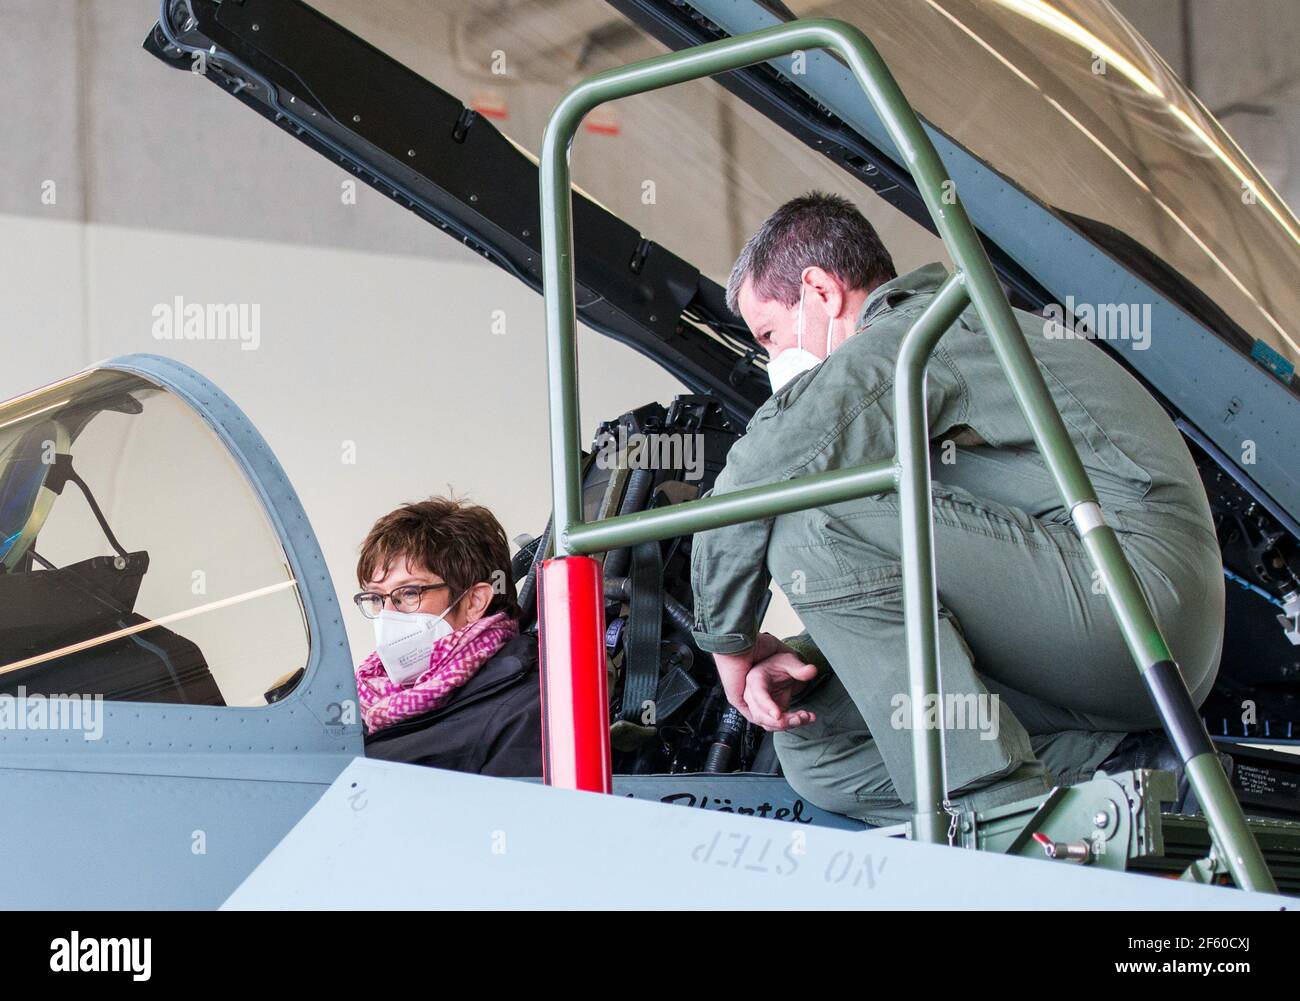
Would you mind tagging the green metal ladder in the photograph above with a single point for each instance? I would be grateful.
(972, 282)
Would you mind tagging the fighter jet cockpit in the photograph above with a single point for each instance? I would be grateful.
(947, 159)
(136, 561)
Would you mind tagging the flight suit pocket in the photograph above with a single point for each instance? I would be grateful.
(1127, 473)
(809, 574)
(829, 562)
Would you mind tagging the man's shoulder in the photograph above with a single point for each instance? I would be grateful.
(861, 365)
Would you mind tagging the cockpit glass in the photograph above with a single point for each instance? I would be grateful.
(136, 561)
(1062, 96)
(1069, 101)
(20, 489)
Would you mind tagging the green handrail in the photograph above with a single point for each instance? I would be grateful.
(973, 282)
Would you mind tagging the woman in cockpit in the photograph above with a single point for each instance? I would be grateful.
(452, 682)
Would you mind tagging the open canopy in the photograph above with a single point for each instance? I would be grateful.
(1067, 100)
(1093, 176)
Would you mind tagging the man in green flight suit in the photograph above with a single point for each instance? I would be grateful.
(1037, 684)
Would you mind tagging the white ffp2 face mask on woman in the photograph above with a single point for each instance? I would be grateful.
(795, 361)
(404, 641)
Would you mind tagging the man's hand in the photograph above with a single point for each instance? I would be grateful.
(772, 684)
(732, 669)
(762, 681)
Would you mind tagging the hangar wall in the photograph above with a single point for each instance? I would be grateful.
(377, 378)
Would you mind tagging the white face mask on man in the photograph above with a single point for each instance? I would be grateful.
(404, 641)
(792, 362)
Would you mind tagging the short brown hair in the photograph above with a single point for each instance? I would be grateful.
(818, 229)
(462, 543)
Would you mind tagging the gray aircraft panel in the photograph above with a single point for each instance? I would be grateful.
(395, 836)
(317, 767)
(96, 840)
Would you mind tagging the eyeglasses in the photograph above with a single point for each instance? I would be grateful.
(406, 598)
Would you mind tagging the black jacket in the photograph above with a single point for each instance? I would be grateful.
(492, 725)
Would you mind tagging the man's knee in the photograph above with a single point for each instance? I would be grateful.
(833, 762)
(836, 771)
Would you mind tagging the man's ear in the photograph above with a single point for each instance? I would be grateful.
(477, 600)
(827, 288)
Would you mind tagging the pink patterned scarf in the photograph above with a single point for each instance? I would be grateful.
(455, 659)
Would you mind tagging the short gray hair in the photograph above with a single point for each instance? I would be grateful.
(816, 229)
